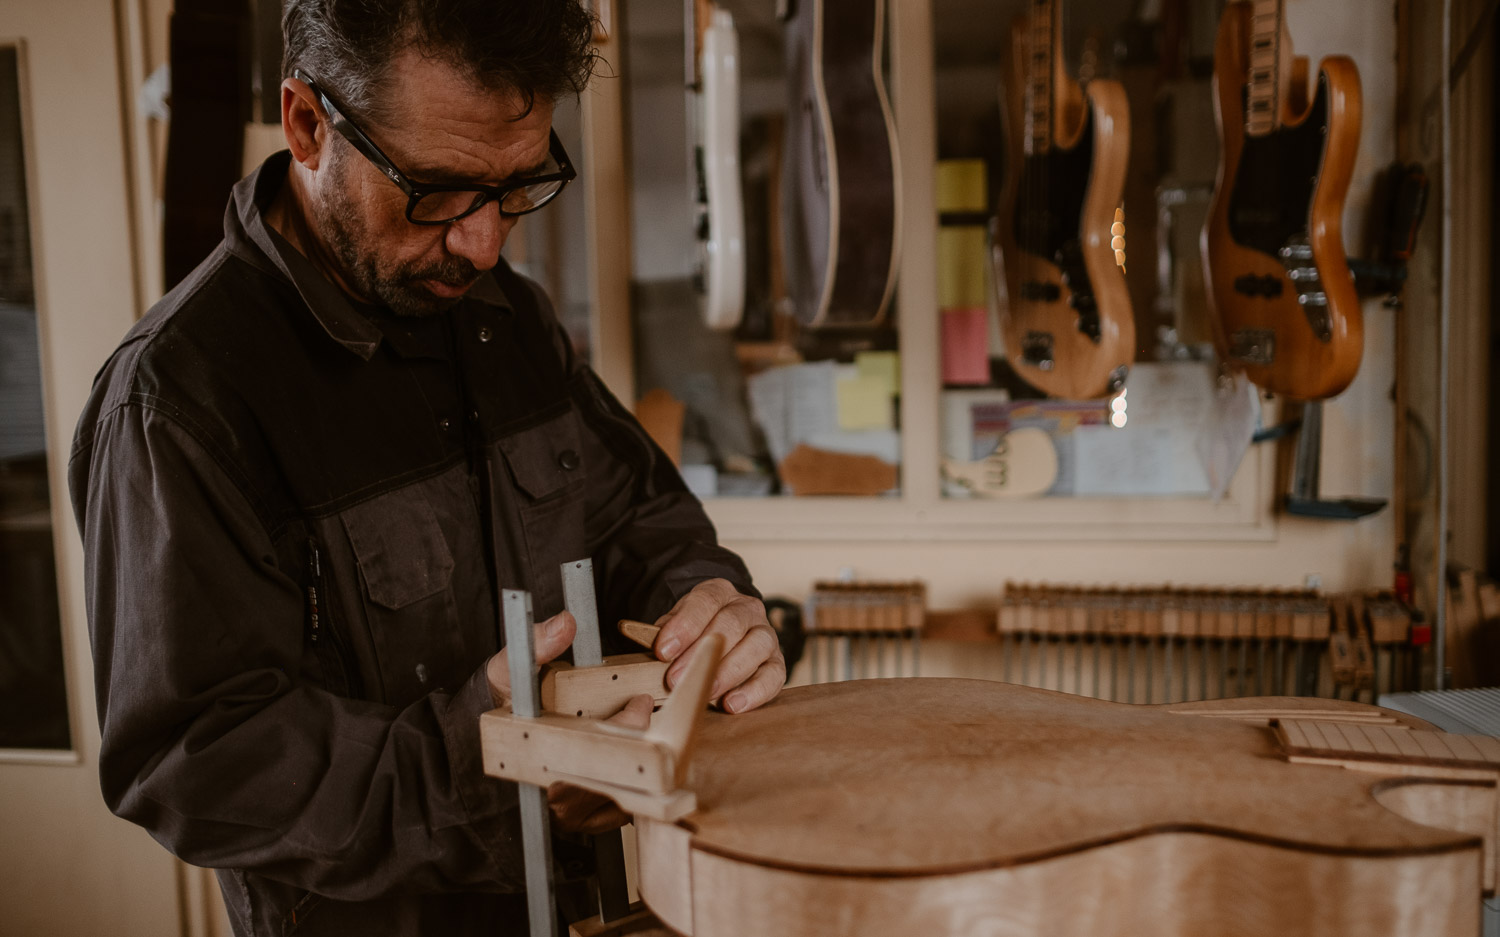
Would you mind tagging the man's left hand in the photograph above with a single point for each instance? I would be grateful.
(752, 670)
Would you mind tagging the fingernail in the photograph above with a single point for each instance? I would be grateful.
(556, 628)
(735, 702)
(669, 649)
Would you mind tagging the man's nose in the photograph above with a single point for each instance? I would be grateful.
(479, 237)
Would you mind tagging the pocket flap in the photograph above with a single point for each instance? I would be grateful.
(547, 457)
(402, 553)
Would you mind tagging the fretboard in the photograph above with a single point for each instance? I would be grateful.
(1040, 37)
(1262, 106)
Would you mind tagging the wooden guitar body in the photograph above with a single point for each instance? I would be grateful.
(963, 807)
(1067, 321)
(1284, 302)
(841, 185)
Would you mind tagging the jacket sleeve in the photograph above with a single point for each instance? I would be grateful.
(211, 738)
(648, 535)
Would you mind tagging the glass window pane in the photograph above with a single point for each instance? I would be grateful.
(769, 406)
(33, 695)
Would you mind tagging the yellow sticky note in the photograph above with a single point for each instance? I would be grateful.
(963, 262)
(885, 365)
(864, 403)
(961, 186)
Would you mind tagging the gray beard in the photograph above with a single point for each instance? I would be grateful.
(345, 233)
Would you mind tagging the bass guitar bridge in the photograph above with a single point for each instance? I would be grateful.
(1253, 346)
(1297, 256)
(1036, 350)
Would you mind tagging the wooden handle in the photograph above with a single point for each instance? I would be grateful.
(639, 632)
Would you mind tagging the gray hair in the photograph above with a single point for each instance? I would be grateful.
(535, 47)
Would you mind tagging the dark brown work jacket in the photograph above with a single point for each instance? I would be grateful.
(297, 516)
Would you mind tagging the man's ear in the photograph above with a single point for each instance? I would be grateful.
(302, 123)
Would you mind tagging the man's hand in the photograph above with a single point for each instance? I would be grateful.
(575, 809)
(581, 811)
(550, 637)
(752, 671)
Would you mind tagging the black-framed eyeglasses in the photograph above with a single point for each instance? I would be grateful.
(435, 203)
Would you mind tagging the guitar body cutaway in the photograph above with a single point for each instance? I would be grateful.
(1284, 304)
(1066, 321)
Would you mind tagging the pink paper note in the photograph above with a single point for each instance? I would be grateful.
(966, 346)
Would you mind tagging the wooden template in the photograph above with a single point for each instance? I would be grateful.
(640, 771)
(972, 807)
(600, 692)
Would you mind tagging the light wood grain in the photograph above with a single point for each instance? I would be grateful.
(600, 692)
(958, 807)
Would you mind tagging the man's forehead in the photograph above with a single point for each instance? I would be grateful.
(447, 123)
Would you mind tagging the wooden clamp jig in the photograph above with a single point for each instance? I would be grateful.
(536, 746)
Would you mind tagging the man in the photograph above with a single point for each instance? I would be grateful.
(304, 477)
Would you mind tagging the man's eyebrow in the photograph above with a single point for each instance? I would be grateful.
(442, 176)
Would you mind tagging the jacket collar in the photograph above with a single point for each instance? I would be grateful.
(248, 236)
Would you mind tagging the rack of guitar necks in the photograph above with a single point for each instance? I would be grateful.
(1160, 644)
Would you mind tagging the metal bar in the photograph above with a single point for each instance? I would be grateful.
(578, 595)
(1281, 666)
(588, 651)
(520, 647)
(536, 834)
(1166, 670)
(1239, 676)
(1078, 665)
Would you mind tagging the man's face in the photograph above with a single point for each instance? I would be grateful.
(444, 129)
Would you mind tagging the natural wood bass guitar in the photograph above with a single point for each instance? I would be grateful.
(1066, 319)
(841, 207)
(1284, 302)
(950, 808)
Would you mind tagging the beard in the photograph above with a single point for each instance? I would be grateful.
(346, 232)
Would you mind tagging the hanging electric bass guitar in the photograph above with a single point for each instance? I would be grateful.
(718, 207)
(1284, 304)
(841, 205)
(1066, 318)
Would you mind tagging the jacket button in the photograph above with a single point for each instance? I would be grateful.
(568, 460)
(445, 424)
(485, 333)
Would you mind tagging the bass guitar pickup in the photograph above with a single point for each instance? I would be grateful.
(1252, 285)
(1253, 346)
(1036, 291)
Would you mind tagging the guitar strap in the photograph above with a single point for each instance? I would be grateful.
(209, 49)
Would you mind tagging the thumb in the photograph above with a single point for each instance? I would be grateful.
(553, 636)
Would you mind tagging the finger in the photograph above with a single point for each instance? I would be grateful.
(733, 622)
(579, 810)
(553, 636)
(757, 646)
(549, 638)
(636, 714)
(681, 626)
(607, 816)
(760, 689)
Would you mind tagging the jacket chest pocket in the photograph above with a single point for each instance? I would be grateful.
(546, 464)
(406, 573)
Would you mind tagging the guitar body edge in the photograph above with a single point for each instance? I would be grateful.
(1268, 335)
